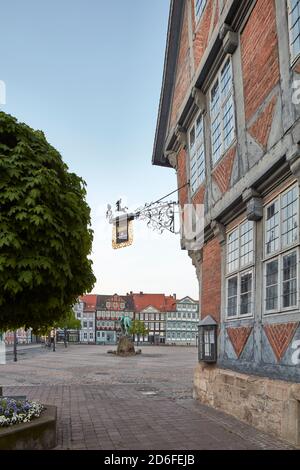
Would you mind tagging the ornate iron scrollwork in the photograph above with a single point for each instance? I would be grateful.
(160, 216)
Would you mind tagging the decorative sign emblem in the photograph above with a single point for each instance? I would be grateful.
(122, 232)
(159, 215)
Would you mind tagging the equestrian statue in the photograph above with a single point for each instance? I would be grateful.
(125, 343)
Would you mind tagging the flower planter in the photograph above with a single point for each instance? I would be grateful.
(38, 434)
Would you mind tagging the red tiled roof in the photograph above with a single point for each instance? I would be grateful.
(90, 302)
(161, 302)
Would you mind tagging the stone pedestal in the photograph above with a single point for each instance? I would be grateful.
(125, 347)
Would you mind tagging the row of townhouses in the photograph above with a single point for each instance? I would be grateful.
(167, 320)
(23, 337)
(229, 124)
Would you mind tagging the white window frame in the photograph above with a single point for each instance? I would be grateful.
(280, 309)
(245, 266)
(279, 254)
(223, 101)
(294, 56)
(197, 153)
(293, 244)
(239, 275)
(199, 6)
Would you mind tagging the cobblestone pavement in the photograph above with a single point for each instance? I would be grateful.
(143, 402)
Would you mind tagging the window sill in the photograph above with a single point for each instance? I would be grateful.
(244, 317)
(286, 311)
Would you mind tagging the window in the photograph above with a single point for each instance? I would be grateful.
(84, 335)
(91, 324)
(240, 254)
(197, 153)
(91, 336)
(222, 112)
(199, 8)
(240, 247)
(280, 271)
(239, 295)
(281, 280)
(78, 314)
(85, 324)
(281, 224)
(294, 27)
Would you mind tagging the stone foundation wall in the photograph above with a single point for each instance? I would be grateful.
(273, 406)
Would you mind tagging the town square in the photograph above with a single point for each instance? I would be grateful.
(150, 229)
(143, 402)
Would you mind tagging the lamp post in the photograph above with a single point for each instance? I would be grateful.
(65, 337)
(15, 346)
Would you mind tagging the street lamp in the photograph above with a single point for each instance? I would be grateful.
(207, 340)
(15, 346)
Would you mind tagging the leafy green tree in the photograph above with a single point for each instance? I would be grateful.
(69, 322)
(45, 234)
(138, 328)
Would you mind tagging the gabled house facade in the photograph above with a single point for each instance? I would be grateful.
(85, 311)
(182, 323)
(228, 123)
(152, 310)
(109, 309)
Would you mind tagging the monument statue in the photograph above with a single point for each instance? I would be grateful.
(125, 344)
(125, 323)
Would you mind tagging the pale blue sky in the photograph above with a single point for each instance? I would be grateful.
(88, 73)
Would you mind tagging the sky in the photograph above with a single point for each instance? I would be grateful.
(88, 73)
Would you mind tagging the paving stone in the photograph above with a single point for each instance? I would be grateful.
(112, 411)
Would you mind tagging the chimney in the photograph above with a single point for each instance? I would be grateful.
(141, 293)
(174, 296)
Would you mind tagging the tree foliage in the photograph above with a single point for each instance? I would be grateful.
(69, 322)
(138, 328)
(45, 234)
